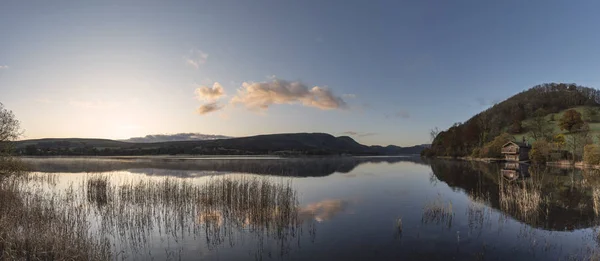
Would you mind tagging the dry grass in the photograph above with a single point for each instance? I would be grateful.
(36, 227)
(216, 210)
(438, 212)
(102, 220)
(523, 198)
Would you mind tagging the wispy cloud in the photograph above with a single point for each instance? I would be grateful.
(399, 114)
(349, 95)
(358, 134)
(261, 95)
(210, 93)
(3, 67)
(94, 104)
(208, 108)
(196, 58)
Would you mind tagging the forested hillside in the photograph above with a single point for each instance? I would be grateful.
(511, 116)
(279, 144)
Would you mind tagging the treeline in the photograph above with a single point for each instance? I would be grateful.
(33, 150)
(463, 138)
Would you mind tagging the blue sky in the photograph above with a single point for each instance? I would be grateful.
(386, 71)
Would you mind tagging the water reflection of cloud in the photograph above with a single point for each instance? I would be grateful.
(210, 217)
(322, 210)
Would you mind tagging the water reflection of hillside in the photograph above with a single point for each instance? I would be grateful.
(299, 167)
(548, 198)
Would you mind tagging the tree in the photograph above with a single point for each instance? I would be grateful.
(493, 148)
(559, 141)
(591, 154)
(570, 121)
(9, 128)
(590, 114)
(540, 152)
(577, 140)
(516, 127)
(433, 133)
(539, 126)
(9, 131)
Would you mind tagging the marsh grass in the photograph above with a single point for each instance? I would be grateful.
(522, 198)
(218, 210)
(36, 226)
(438, 212)
(478, 212)
(102, 219)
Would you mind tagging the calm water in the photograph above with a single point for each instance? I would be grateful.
(397, 208)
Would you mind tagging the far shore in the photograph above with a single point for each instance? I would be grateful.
(561, 163)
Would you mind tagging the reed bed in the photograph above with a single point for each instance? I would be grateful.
(38, 226)
(101, 219)
(217, 210)
(522, 198)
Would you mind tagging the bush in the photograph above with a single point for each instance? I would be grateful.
(476, 153)
(493, 149)
(591, 154)
(540, 152)
(427, 153)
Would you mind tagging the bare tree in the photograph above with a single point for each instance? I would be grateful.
(577, 140)
(433, 133)
(540, 127)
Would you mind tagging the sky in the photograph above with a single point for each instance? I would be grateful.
(383, 72)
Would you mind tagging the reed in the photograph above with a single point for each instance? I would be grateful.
(522, 198)
(438, 212)
(36, 226)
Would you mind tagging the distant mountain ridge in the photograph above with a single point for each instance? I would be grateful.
(175, 137)
(278, 144)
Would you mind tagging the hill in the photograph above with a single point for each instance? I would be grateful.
(280, 144)
(512, 115)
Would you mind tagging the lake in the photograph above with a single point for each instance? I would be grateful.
(345, 208)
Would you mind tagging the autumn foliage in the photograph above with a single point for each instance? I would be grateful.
(571, 121)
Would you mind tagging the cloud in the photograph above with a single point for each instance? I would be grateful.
(210, 93)
(261, 95)
(196, 58)
(359, 134)
(175, 137)
(208, 108)
(323, 210)
(95, 104)
(3, 67)
(399, 114)
(349, 95)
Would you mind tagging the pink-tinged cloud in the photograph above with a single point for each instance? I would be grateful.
(205, 93)
(208, 108)
(261, 95)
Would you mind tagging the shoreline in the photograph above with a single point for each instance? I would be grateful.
(561, 163)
